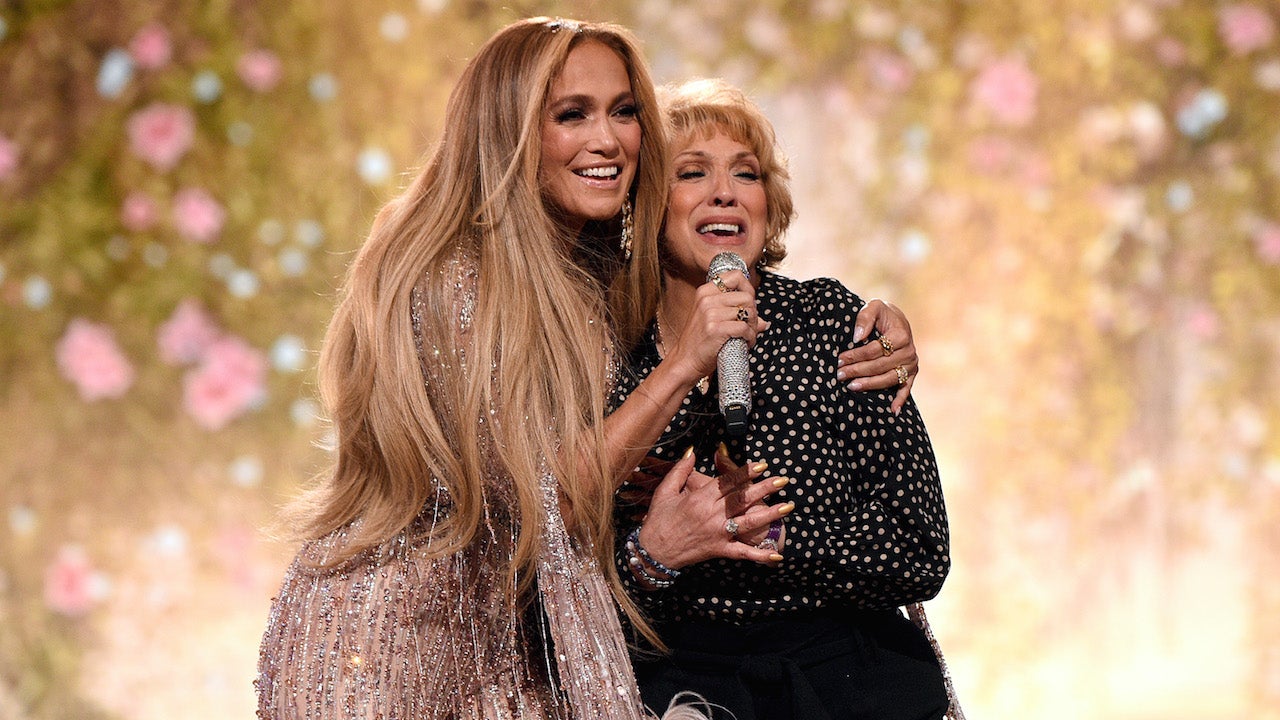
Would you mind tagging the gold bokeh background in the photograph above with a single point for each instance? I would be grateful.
(1075, 201)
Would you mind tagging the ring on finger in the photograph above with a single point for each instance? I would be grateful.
(743, 315)
(903, 375)
(731, 527)
(886, 346)
(770, 541)
(719, 283)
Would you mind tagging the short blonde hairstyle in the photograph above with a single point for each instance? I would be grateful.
(701, 108)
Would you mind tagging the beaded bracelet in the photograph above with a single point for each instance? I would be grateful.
(647, 578)
(770, 541)
(641, 566)
(633, 543)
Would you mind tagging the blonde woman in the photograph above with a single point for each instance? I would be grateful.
(452, 567)
(454, 543)
(818, 636)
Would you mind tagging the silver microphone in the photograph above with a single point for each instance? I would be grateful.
(732, 363)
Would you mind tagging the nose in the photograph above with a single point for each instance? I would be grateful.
(722, 190)
(604, 139)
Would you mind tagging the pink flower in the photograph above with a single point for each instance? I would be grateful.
(150, 47)
(229, 381)
(1203, 322)
(890, 71)
(88, 356)
(161, 134)
(1245, 27)
(197, 215)
(1171, 52)
(259, 69)
(71, 585)
(187, 334)
(1007, 89)
(138, 212)
(8, 158)
(1266, 240)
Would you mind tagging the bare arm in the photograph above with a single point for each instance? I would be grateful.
(638, 423)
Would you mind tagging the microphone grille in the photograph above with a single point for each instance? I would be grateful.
(724, 262)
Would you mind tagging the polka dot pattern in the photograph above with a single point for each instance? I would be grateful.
(869, 530)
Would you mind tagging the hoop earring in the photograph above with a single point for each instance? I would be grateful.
(763, 262)
(628, 230)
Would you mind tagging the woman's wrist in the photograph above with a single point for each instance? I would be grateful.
(648, 570)
(674, 377)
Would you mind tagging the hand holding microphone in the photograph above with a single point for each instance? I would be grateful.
(717, 335)
(733, 360)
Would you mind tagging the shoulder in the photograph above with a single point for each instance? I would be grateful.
(820, 298)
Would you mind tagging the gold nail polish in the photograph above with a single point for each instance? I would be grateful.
(775, 557)
(723, 450)
(781, 482)
(687, 453)
(760, 467)
(784, 509)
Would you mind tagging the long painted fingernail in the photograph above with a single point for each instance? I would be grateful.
(687, 453)
(775, 557)
(781, 482)
(722, 449)
(760, 466)
(784, 509)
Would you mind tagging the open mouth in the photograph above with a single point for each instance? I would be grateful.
(720, 229)
(608, 172)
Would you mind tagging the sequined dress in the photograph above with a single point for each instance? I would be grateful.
(402, 633)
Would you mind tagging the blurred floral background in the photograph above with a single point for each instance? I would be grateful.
(1076, 201)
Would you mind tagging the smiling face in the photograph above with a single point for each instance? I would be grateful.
(717, 203)
(590, 136)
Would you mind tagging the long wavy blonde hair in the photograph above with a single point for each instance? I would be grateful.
(548, 310)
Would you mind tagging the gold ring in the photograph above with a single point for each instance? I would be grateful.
(719, 283)
(903, 375)
(886, 346)
(743, 315)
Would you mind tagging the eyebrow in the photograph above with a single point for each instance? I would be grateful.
(584, 99)
(702, 155)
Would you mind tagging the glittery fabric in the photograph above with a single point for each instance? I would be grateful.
(402, 633)
(915, 611)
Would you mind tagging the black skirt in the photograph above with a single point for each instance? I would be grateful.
(853, 665)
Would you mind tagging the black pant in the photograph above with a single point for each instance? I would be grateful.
(848, 665)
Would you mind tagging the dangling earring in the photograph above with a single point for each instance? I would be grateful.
(628, 230)
(763, 262)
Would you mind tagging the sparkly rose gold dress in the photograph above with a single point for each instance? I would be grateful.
(401, 633)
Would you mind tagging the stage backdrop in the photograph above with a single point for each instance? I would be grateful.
(1077, 202)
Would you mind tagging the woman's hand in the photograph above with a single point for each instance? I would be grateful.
(719, 311)
(732, 475)
(686, 522)
(875, 366)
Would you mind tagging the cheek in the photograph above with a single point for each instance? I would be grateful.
(553, 151)
(629, 137)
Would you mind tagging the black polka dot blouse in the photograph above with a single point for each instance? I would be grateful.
(869, 530)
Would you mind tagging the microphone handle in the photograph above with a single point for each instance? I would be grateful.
(735, 389)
